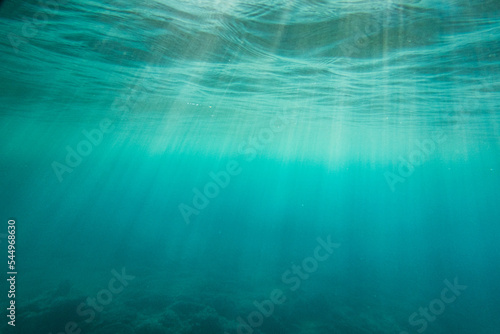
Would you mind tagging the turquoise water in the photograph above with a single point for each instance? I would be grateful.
(254, 166)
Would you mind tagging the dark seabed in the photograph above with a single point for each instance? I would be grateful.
(250, 167)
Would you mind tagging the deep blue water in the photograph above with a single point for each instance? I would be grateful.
(267, 167)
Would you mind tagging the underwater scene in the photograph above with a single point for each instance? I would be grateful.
(250, 166)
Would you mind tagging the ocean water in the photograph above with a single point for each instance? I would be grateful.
(239, 167)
